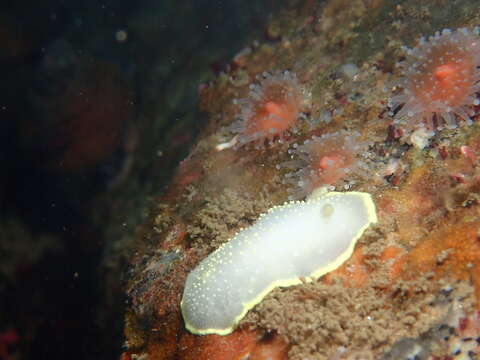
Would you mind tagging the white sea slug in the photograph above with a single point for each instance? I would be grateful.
(298, 240)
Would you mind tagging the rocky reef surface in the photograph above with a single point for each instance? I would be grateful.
(410, 289)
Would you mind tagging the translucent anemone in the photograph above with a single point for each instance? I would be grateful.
(439, 81)
(271, 109)
(322, 161)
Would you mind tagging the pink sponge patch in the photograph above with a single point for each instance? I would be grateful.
(439, 81)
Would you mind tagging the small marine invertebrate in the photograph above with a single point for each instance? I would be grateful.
(439, 80)
(322, 160)
(271, 109)
(298, 240)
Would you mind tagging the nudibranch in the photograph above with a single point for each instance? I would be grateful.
(295, 242)
(440, 79)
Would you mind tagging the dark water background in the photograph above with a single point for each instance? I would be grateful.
(91, 91)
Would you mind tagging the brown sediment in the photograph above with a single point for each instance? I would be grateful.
(322, 321)
(226, 212)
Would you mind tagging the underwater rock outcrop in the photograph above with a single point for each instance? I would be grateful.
(411, 287)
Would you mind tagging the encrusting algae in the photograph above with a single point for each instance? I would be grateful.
(408, 286)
